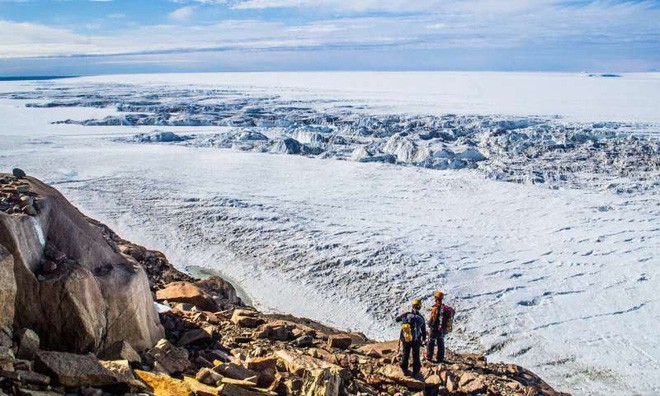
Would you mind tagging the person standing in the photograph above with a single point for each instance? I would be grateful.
(440, 322)
(413, 335)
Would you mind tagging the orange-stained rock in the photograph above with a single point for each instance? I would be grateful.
(163, 385)
(245, 318)
(186, 292)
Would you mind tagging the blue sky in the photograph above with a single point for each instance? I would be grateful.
(115, 36)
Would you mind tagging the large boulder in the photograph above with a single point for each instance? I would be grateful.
(74, 370)
(186, 292)
(92, 297)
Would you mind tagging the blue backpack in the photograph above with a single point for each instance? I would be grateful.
(410, 330)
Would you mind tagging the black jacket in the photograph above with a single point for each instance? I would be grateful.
(416, 319)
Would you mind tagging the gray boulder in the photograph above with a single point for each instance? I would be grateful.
(95, 296)
(74, 370)
(18, 173)
(28, 344)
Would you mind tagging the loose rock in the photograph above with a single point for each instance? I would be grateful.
(186, 292)
(74, 370)
(18, 173)
(339, 341)
(167, 358)
(120, 350)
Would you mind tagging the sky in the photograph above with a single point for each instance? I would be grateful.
(74, 37)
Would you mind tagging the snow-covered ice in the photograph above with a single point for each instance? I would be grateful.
(563, 281)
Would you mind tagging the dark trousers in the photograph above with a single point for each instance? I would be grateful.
(438, 338)
(408, 348)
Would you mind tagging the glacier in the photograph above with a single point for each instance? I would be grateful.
(331, 196)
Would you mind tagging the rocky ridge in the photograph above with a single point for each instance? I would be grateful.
(210, 343)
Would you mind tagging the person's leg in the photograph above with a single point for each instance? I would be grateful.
(441, 348)
(417, 364)
(405, 359)
(429, 348)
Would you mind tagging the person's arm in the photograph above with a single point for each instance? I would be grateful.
(400, 317)
(423, 327)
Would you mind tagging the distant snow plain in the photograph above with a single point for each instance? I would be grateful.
(564, 282)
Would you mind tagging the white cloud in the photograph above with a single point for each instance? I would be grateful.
(457, 25)
(346, 5)
(30, 40)
(204, 2)
(182, 14)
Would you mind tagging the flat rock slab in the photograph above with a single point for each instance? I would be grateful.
(74, 370)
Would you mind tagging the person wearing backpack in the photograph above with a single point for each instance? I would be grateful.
(440, 323)
(413, 335)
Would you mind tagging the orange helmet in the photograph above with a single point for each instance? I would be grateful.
(439, 295)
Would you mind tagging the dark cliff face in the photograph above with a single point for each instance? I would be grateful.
(63, 279)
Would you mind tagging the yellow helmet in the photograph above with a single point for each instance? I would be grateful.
(416, 303)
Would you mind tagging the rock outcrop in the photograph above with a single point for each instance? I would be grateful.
(61, 278)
